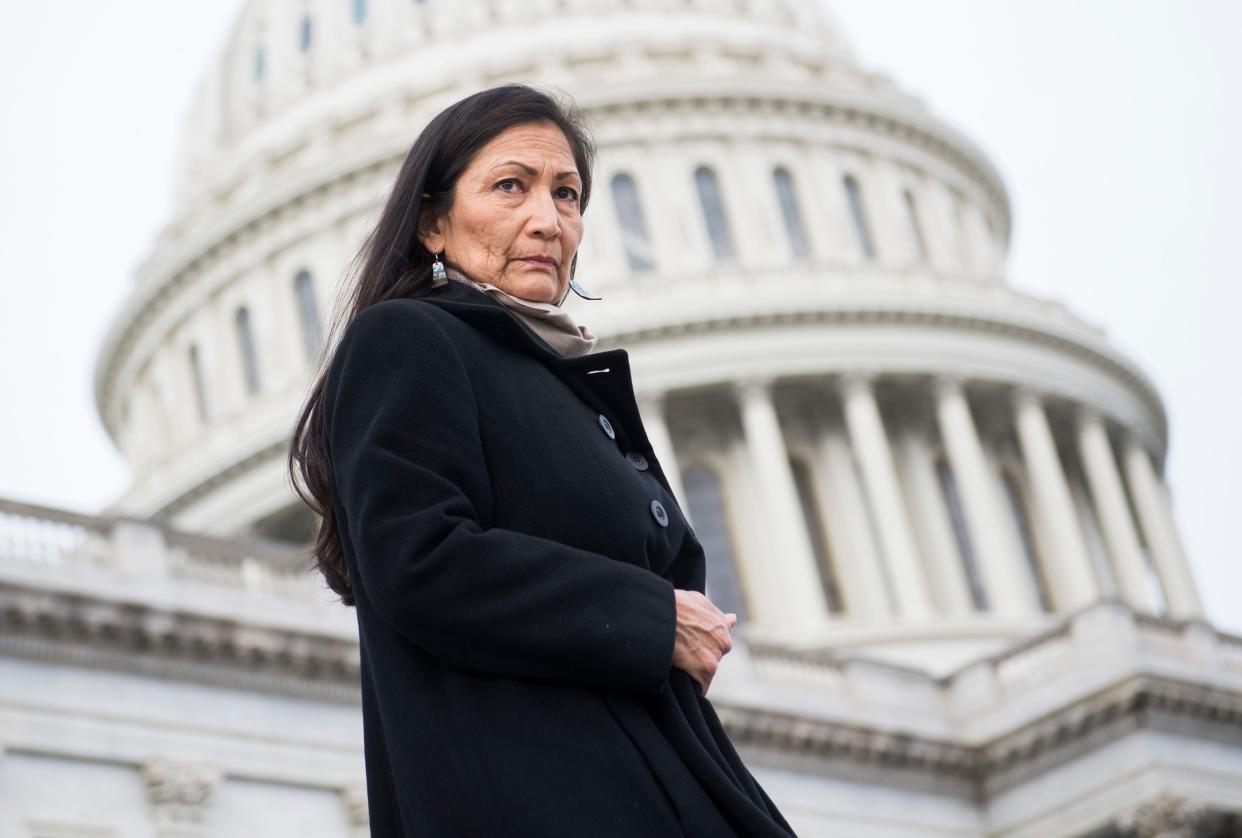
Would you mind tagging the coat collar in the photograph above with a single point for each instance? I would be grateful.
(488, 315)
(602, 380)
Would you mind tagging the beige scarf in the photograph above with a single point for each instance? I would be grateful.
(551, 322)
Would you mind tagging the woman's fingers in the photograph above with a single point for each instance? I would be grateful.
(702, 637)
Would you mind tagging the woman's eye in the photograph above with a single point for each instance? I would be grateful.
(568, 192)
(507, 185)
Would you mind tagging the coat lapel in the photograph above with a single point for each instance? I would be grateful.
(601, 379)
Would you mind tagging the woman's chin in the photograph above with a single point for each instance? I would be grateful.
(539, 289)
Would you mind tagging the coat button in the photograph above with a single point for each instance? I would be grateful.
(657, 512)
(637, 460)
(607, 426)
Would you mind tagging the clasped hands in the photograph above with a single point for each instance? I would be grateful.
(702, 636)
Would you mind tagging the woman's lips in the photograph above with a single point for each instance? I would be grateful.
(546, 263)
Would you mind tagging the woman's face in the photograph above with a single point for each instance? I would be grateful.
(515, 220)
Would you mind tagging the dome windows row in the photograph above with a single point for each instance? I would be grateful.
(217, 377)
(306, 36)
(720, 243)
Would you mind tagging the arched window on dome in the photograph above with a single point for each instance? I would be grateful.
(198, 382)
(1022, 521)
(260, 62)
(712, 203)
(805, 484)
(360, 11)
(783, 181)
(957, 517)
(634, 234)
(246, 346)
(963, 234)
(916, 226)
(853, 194)
(305, 33)
(308, 312)
(706, 505)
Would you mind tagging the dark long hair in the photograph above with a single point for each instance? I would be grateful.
(395, 264)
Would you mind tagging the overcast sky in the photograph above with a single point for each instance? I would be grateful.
(1115, 123)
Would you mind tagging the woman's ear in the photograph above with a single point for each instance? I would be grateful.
(430, 228)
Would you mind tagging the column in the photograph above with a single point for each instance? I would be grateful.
(651, 406)
(870, 444)
(1155, 514)
(1110, 504)
(931, 516)
(789, 557)
(1006, 576)
(849, 532)
(1070, 575)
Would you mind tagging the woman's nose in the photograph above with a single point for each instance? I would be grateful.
(544, 218)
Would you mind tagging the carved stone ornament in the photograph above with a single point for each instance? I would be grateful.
(1164, 816)
(354, 796)
(178, 792)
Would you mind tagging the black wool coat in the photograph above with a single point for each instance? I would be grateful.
(513, 547)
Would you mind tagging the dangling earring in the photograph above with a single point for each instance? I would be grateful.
(438, 277)
(581, 292)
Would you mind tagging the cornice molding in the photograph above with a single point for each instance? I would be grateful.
(221, 477)
(76, 630)
(980, 772)
(1106, 359)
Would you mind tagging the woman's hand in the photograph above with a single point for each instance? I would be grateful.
(702, 636)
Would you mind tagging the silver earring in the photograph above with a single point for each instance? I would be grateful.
(581, 292)
(438, 277)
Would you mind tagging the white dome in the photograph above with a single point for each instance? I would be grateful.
(772, 225)
(278, 57)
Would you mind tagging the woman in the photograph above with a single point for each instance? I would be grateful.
(536, 647)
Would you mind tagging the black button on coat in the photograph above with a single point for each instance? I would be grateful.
(514, 593)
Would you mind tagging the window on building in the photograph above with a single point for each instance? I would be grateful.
(198, 382)
(638, 251)
(705, 503)
(308, 311)
(246, 345)
(360, 11)
(260, 62)
(963, 234)
(713, 213)
(853, 194)
(957, 517)
(1022, 521)
(794, 228)
(805, 483)
(916, 226)
(305, 33)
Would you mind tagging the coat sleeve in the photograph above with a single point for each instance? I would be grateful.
(411, 478)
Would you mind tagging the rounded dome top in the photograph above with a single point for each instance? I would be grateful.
(278, 55)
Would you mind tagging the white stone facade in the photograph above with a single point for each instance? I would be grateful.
(937, 501)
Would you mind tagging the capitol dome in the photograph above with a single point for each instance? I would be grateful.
(884, 447)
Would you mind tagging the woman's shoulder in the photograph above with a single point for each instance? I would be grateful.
(404, 324)
(397, 333)
(400, 314)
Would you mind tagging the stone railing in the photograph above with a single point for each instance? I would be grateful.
(36, 539)
(814, 671)
(43, 535)
(1092, 650)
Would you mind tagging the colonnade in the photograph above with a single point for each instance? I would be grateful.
(902, 548)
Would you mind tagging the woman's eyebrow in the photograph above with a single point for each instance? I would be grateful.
(532, 171)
